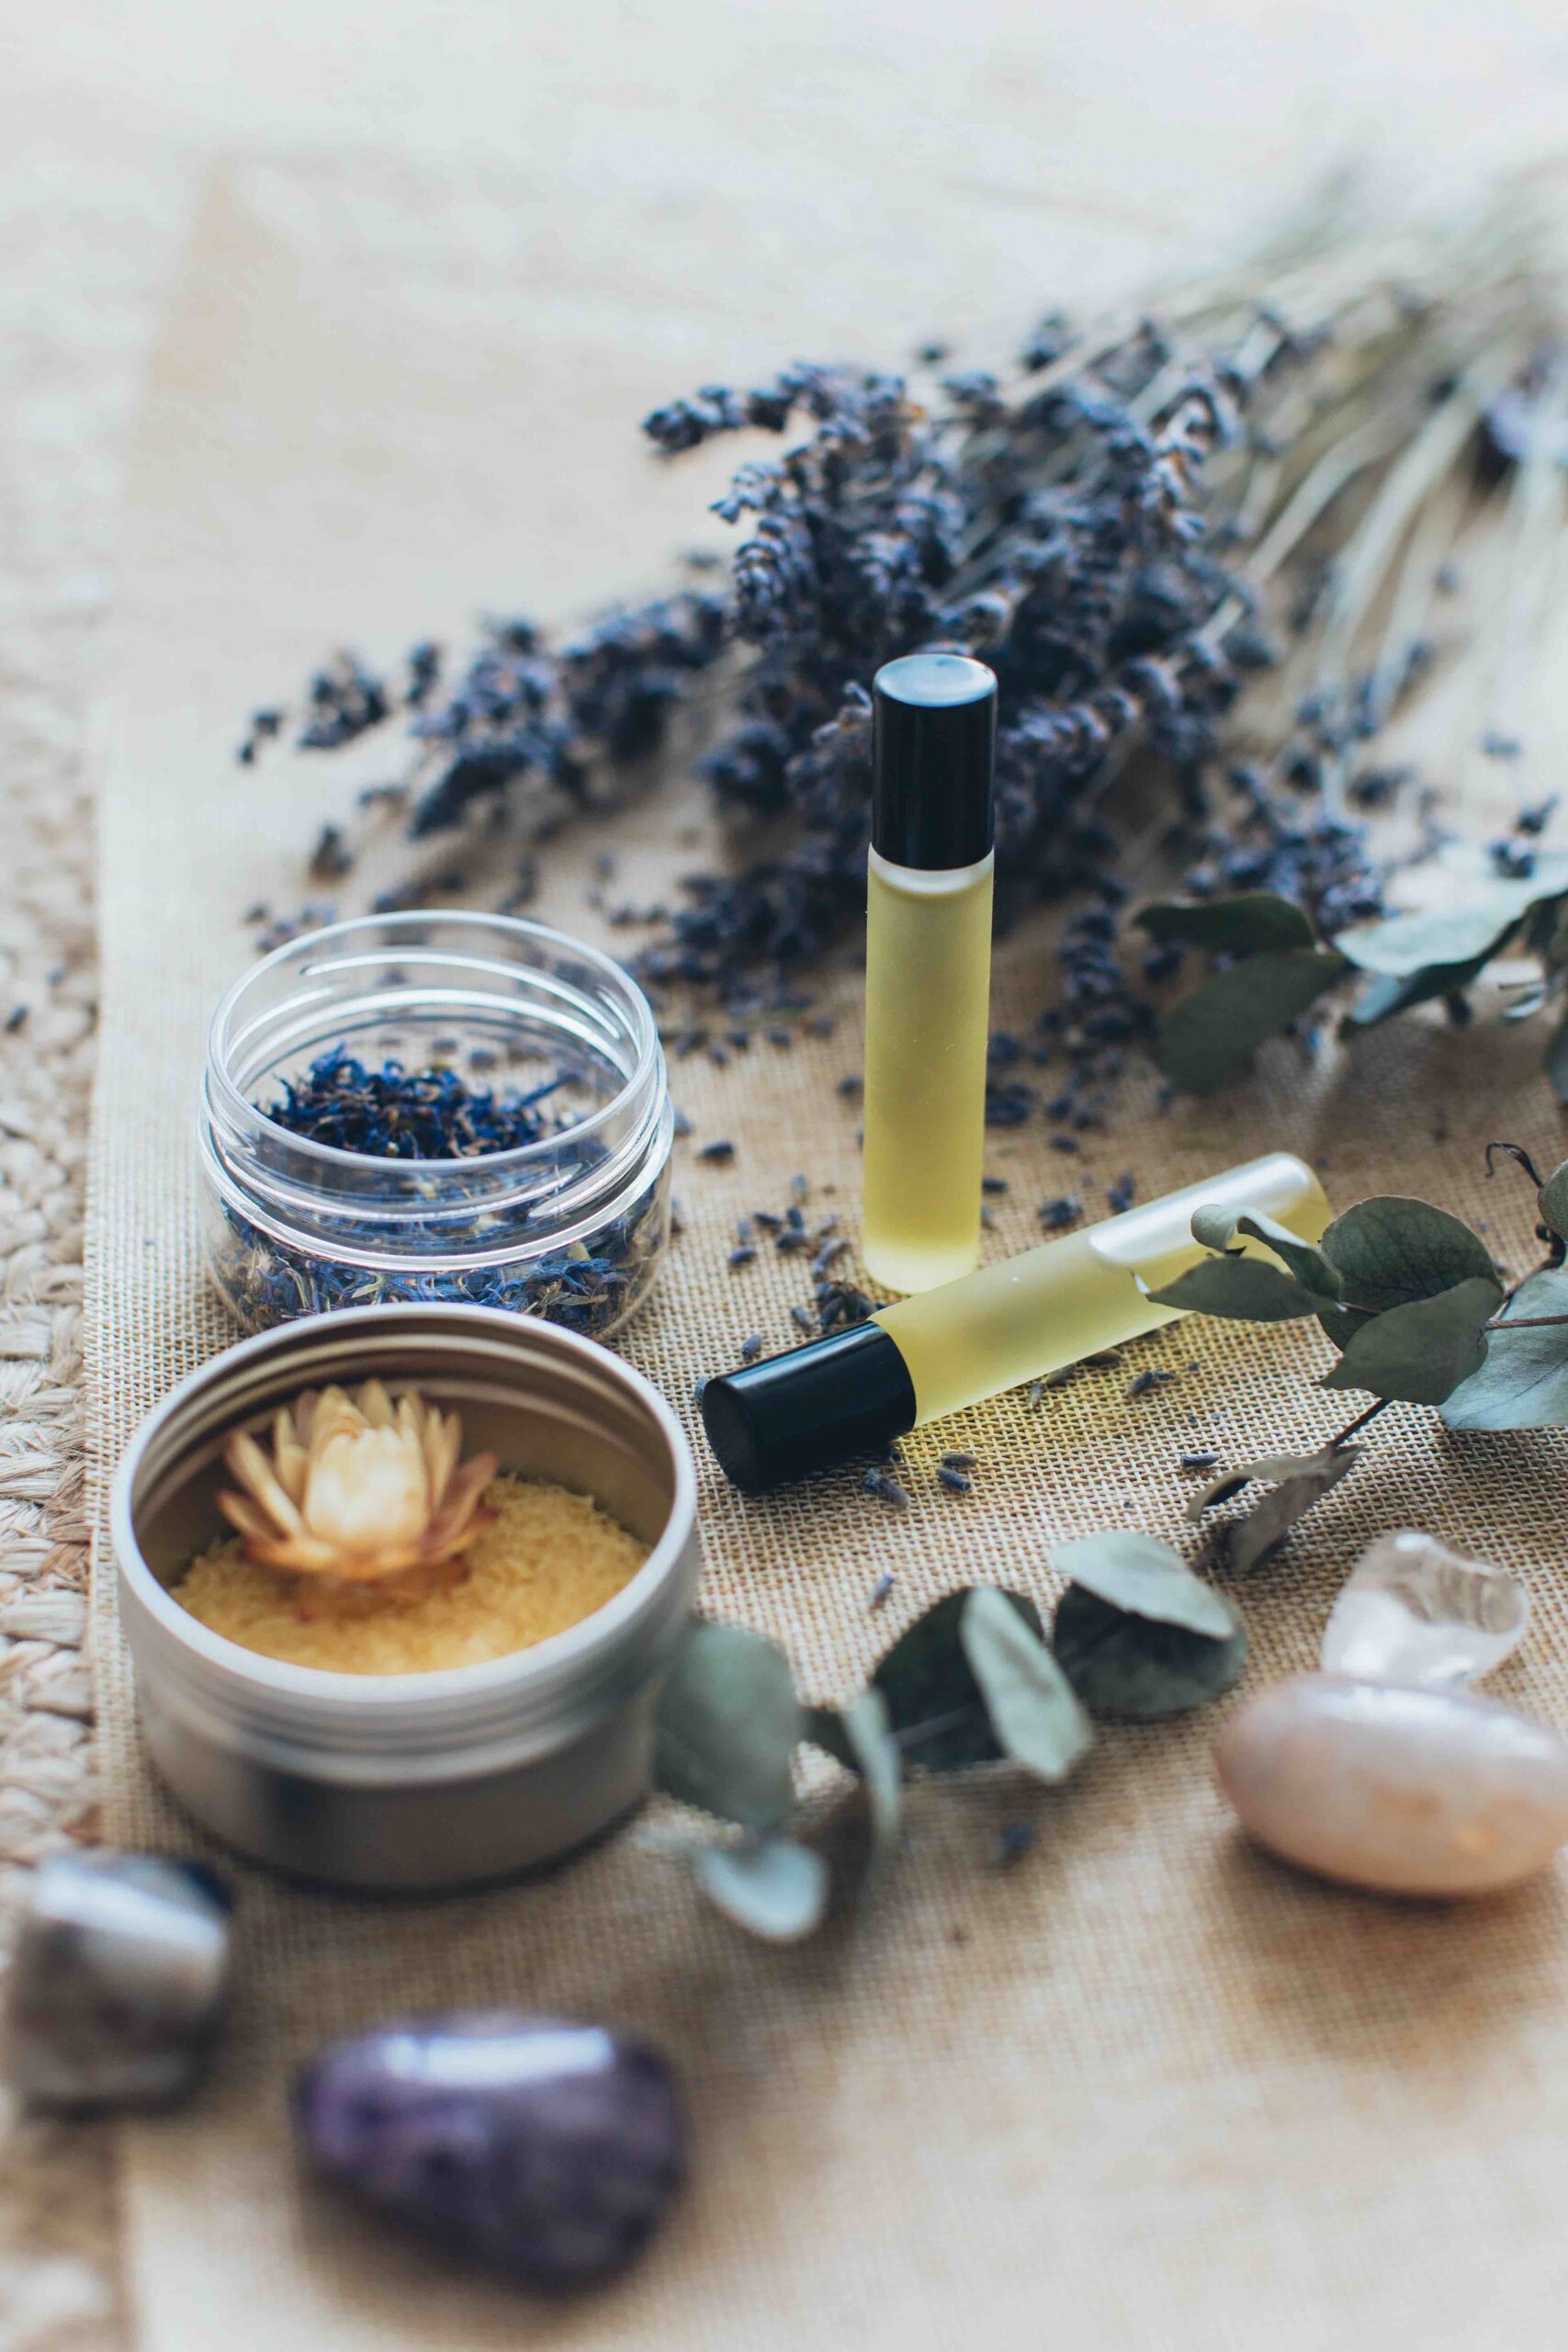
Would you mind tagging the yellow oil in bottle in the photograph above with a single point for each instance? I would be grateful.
(1027, 1316)
(928, 980)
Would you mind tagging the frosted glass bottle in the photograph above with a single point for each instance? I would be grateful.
(928, 969)
(928, 990)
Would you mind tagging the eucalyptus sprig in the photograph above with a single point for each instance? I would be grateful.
(974, 1680)
(1273, 968)
(1411, 1298)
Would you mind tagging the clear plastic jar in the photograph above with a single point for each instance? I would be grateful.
(570, 1227)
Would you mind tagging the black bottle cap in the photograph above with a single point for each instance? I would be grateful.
(809, 1408)
(933, 758)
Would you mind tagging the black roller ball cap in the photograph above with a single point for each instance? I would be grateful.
(809, 1408)
(933, 760)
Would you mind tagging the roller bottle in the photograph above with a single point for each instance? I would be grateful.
(927, 967)
(1016, 1320)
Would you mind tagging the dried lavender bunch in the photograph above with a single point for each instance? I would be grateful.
(1055, 529)
(1167, 536)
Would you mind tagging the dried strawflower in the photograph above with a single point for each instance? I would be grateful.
(358, 1489)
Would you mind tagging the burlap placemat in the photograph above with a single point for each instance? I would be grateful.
(1142, 2088)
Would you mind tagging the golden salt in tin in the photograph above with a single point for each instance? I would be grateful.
(422, 1779)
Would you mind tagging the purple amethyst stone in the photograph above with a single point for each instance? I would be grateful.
(548, 2149)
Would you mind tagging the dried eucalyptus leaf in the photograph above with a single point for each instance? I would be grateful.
(1122, 1665)
(1146, 1577)
(1403, 945)
(860, 1737)
(824, 1727)
(1329, 1466)
(727, 1724)
(1383, 997)
(1244, 1290)
(1034, 1712)
(1248, 925)
(1219, 1228)
(935, 1708)
(1523, 1384)
(1557, 1060)
(1419, 1353)
(1251, 1538)
(1552, 1201)
(1391, 1249)
(775, 1889)
(1212, 1033)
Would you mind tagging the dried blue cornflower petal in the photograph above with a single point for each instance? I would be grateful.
(393, 1114)
(400, 1115)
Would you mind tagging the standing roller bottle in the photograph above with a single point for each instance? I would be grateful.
(927, 967)
(1013, 1321)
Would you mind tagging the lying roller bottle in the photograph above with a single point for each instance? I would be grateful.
(928, 966)
(1013, 1321)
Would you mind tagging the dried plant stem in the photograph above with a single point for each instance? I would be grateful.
(1348, 1431)
(1425, 462)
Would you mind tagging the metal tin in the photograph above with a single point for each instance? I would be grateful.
(412, 1780)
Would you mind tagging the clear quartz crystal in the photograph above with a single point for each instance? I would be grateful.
(1413, 1611)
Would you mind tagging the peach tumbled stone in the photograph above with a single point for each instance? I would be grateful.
(1412, 1792)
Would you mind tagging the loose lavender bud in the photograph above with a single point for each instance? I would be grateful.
(1057, 1214)
(1013, 1842)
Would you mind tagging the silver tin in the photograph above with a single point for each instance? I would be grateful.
(413, 1780)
